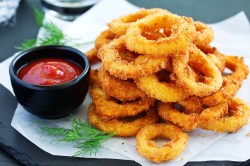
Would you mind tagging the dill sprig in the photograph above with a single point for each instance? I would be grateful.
(87, 138)
(29, 43)
(39, 16)
(53, 35)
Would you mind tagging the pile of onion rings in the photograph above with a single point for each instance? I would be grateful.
(160, 77)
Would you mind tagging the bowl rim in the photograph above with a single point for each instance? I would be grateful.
(54, 86)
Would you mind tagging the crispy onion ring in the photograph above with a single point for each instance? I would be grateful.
(212, 113)
(204, 34)
(114, 54)
(191, 121)
(217, 60)
(123, 90)
(168, 112)
(169, 150)
(237, 117)
(120, 127)
(196, 104)
(178, 34)
(120, 26)
(237, 65)
(93, 77)
(231, 82)
(215, 56)
(109, 108)
(105, 37)
(163, 91)
(227, 91)
(191, 105)
(211, 80)
(92, 55)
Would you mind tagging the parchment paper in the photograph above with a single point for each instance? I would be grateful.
(231, 37)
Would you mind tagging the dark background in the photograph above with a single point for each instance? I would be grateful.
(14, 147)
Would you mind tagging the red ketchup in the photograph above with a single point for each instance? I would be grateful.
(49, 71)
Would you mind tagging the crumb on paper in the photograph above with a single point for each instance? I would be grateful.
(248, 134)
(202, 135)
(182, 158)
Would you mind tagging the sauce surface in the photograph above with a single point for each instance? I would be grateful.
(49, 71)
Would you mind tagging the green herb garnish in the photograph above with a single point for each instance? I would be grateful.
(52, 35)
(87, 138)
(39, 16)
(29, 43)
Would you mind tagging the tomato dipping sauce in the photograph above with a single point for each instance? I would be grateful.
(49, 71)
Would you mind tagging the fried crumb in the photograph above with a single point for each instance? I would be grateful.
(248, 134)
(182, 158)
(202, 135)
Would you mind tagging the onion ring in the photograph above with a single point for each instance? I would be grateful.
(113, 54)
(120, 26)
(92, 55)
(237, 117)
(217, 60)
(178, 34)
(212, 113)
(123, 90)
(168, 113)
(215, 56)
(163, 91)
(191, 105)
(105, 37)
(231, 82)
(170, 150)
(204, 34)
(191, 121)
(93, 77)
(120, 127)
(109, 108)
(212, 80)
(236, 64)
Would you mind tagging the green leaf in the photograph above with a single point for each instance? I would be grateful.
(39, 16)
(53, 131)
(53, 35)
(27, 44)
(87, 138)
